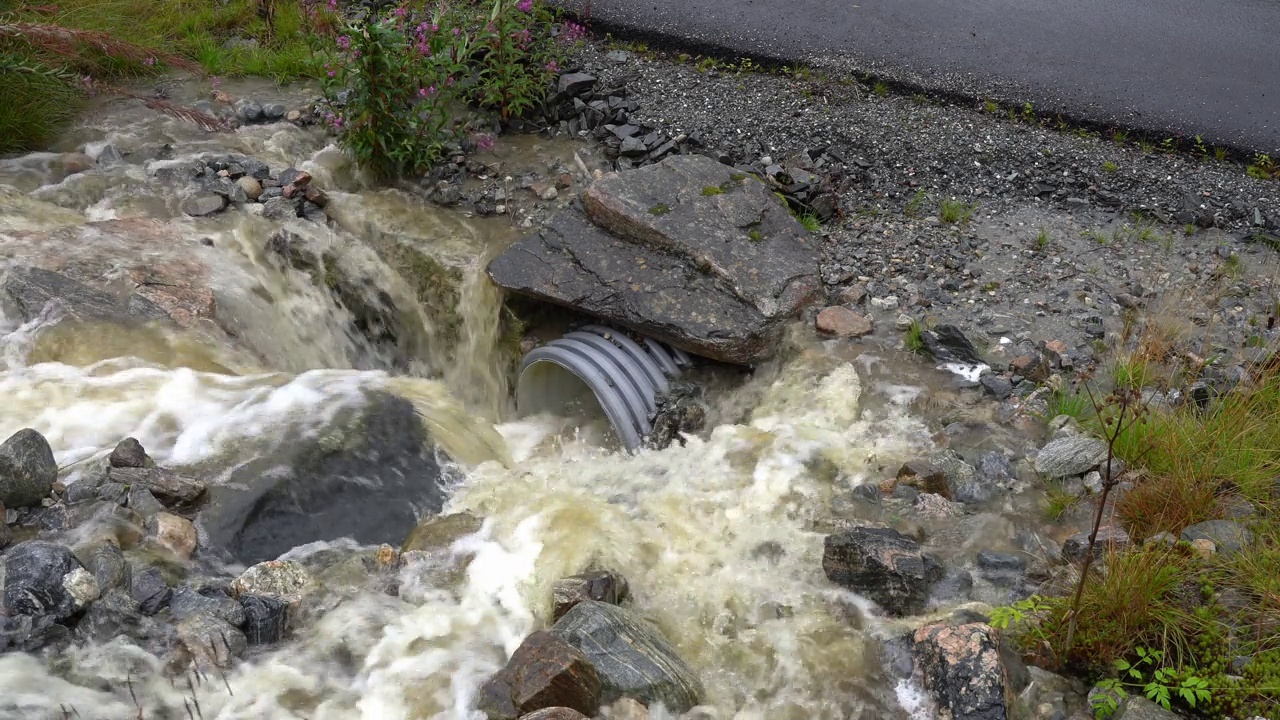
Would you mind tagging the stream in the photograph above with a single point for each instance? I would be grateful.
(720, 538)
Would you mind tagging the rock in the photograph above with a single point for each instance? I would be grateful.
(109, 155)
(293, 116)
(599, 585)
(6, 533)
(27, 469)
(932, 505)
(150, 591)
(853, 295)
(113, 615)
(993, 472)
(441, 531)
(883, 565)
(1228, 536)
(627, 709)
(285, 580)
(210, 640)
(32, 289)
(315, 196)
(266, 619)
(673, 262)
(630, 656)
(962, 671)
(168, 486)
(129, 454)
(555, 713)
(999, 388)
(187, 602)
(295, 177)
(544, 672)
(113, 492)
(141, 501)
(42, 580)
(843, 322)
(252, 188)
(110, 569)
(248, 110)
(273, 111)
(1203, 547)
(205, 203)
(947, 343)
(280, 208)
(1110, 538)
(176, 534)
(1072, 455)
(924, 476)
(1131, 707)
(1033, 367)
(1005, 570)
(575, 84)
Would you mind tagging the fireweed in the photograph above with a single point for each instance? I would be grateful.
(395, 80)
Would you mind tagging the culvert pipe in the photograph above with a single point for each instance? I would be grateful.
(600, 365)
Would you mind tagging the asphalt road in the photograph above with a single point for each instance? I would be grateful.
(1194, 67)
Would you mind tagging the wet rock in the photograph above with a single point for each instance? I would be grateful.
(1228, 536)
(948, 343)
(555, 713)
(168, 486)
(129, 453)
(266, 619)
(599, 585)
(681, 410)
(31, 289)
(280, 208)
(205, 203)
(955, 586)
(883, 565)
(176, 534)
(150, 591)
(6, 533)
(440, 532)
(544, 672)
(110, 569)
(109, 155)
(113, 615)
(627, 709)
(141, 501)
(248, 110)
(187, 601)
(26, 634)
(924, 476)
(273, 111)
(998, 387)
(630, 656)
(286, 580)
(27, 469)
(962, 671)
(932, 505)
(672, 261)
(210, 640)
(44, 580)
(1004, 570)
(993, 472)
(575, 84)
(113, 492)
(1033, 367)
(843, 322)
(251, 187)
(1110, 538)
(1072, 455)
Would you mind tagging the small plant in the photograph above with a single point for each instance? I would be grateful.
(913, 338)
(1059, 501)
(1189, 229)
(991, 107)
(1146, 147)
(955, 211)
(711, 191)
(1110, 167)
(1233, 266)
(810, 222)
(1149, 674)
(660, 209)
(1020, 612)
(1028, 112)
(915, 206)
(1120, 136)
(1042, 240)
(1067, 402)
(1199, 148)
(1264, 167)
(1220, 154)
(880, 89)
(706, 65)
(754, 235)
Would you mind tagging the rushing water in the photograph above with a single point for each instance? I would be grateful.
(721, 538)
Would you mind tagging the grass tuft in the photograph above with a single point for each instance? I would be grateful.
(955, 211)
(810, 222)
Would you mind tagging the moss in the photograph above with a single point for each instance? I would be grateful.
(755, 235)
(660, 209)
(711, 191)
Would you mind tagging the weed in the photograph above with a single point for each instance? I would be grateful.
(913, 338)
(1132, 372)
(660, 209)
(1255, 341)
(991, 107)
(754, 235)
(1067, 402)
(1059, 501)
(880, 89)
(915, 206)
(1028, 112)
(1120, 136)
(1146, 147)
(1110, 167)
(810, 222)
(1042, 240)
(1097, 236)
(706, 65)
(955, 211)
(1199, 148)
(1264, 167)
(1233, 266)
(682, 58)
(1147, 234)
(990, 287)
(711, 191)
(1220, 154)
(1158, 682)
(1189, 229)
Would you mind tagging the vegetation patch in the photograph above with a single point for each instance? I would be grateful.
(712, 191)
(660, 209)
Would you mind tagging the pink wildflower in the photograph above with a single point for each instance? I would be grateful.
(525, 5)
(483, 141)
(149, 61)
(344, 42)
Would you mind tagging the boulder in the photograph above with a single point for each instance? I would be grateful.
(165, 289)
(168, 486)
(1227, 536)
(210, 641)
(129, 453)
(674, 251)
(962, 671)
(630, 656)
(44, 580)
(266, 619)
(141, 501)
(188, 601)
(1070, 455)
(113, 615)
(882, 565)
(1110, 538)
(204, 203)
(176, 534)
(599, 585)
(925, 477)
(27, 469)
(110, 568)
(994, 472)
(285, 580)
(150, 591)
(842, 322)
(544, 672)
(948, 343)
(6, 532)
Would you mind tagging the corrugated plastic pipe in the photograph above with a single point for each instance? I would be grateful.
(625, 378)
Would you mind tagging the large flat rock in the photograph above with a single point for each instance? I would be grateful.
(687, 251)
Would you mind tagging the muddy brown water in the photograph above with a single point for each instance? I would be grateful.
(684, 524)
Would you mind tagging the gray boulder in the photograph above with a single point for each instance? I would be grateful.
(883, 565)
(29, 290)
(129, 453)
(38, 582)
(630, 656)
(962, 671)
(166, 485)
(599, 585)
(1111, 538)
(1071, 455)
(27, 469)
(947, 343)
(675, 251)
(1228, 536)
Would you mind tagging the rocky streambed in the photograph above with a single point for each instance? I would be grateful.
(262, 460)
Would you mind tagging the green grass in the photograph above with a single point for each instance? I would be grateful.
(711, 191)
(1233, 266)
(1110, 167)
(1264, 167)
(915, 206)
(955, 211)
(1067, 402)
(912, 338)
(880, 89)
(1058, 501)
(33, 108)
(991, 107)
(810, 222)
(754, 235)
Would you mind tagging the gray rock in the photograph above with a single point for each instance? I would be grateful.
(576, 84)
(6, 532)
(599, 585)
(883, 565)
(962, 670)
(673, 263)
(248, 110)
(211, 640)
(168, 486)
(273, 111)
(38, 581)
(1072, 455)
(630, 655)
(129, 454)
(205, 203)
(1110, 538)
(994, 472)
(1228, 536)
(619, 56)
(141, 501)
(113, 615)
(633, 147)
(30, 290)
(150, 591)
(113, 492)
(266, 619)
(948, 343)
(279, 208)
(998, 387)
(27, 469)
(109, 156)
(110, 568)
(187, 602)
